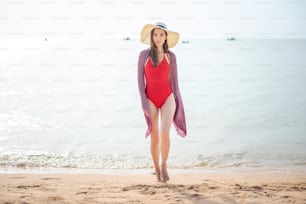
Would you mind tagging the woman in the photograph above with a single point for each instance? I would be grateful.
(159, 91)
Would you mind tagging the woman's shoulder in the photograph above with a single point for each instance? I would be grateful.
(143, 56)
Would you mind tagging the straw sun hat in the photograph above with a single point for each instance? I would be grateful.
(172, 37)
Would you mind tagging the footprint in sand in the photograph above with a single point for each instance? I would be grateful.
(259, 188)
(50, 178)
(82, 193)
(18, 177)
(54, 198)
(148, 191)
(212, 187)
(195, 195)
(25, 196)
(28, 186)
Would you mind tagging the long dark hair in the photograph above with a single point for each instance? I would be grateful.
(153, 51)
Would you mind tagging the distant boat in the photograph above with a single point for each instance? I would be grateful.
(185, 41)
(231, 38)
(127, 38)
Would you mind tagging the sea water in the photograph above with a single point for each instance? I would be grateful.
(74, 104)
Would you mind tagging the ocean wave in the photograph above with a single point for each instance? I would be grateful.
(126, 161)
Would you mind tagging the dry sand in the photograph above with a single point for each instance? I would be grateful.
(210, 188)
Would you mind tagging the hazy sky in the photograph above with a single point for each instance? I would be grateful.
(195, 18)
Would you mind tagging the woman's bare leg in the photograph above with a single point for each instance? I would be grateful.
(166, 113)
(155, 150)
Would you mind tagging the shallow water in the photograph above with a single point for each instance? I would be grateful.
(75, 104)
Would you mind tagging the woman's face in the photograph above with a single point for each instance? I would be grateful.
(159, 37)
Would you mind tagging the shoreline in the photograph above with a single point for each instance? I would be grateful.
(211, 188)
(145, 171)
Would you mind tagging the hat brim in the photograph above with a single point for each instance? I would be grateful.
(172, 37)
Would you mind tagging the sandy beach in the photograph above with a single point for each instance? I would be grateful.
(210, 188)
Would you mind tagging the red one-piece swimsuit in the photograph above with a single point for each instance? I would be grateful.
(158, 88)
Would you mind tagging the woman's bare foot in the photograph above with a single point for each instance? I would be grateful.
(158, 176)
(164, 174)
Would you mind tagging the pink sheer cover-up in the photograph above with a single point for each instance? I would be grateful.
(179, 116)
